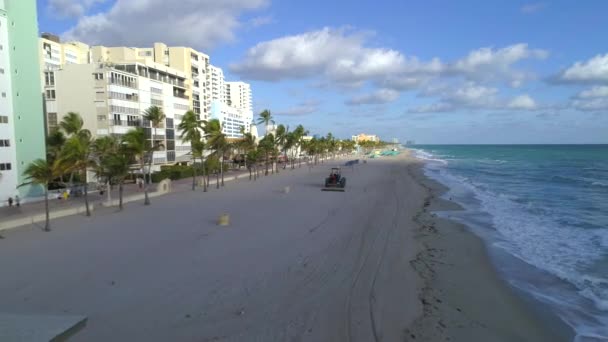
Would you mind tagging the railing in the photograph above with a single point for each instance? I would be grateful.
(126, 123)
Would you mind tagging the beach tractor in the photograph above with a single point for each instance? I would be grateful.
(335, 181)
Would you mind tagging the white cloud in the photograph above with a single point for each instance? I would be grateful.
(591, 105)
(488, 64)
(522, 102)
(594, 70)
(304, 108)
(471, 96)
(71, 8)
(601, 91)
(378, 97)
(592, 99)
(533, 7)
(261, 21)
(201, 24)
(344, 57)
(338, 54)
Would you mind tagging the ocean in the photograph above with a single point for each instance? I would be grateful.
(543, 212)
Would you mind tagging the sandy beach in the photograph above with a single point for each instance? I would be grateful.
(371, 264)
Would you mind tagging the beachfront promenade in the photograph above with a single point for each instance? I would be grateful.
(13, 217)
(369, 264)
(306, 264)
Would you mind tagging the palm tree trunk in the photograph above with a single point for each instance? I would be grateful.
(266, 162)
(217, 180)
(120, 195)
(205, 182)
(208, 183)
(47, 227)
(86, 194)
(193, 171)
(143, 173)
(222, 168)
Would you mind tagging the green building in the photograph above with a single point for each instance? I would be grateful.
(21, 102)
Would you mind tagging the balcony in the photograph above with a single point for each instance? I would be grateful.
(126, 123)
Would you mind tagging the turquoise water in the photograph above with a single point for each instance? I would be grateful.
(545, 205)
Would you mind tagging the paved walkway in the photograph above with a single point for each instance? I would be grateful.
(36, 208)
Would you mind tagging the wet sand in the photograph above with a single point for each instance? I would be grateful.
(370, 264)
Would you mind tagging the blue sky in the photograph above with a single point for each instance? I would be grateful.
(430, 71)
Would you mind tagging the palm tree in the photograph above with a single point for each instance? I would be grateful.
(54, 143)
(104, 148)
(76, 156)
(198, 151)
(283, 142)
(299, 133)
(42, 172)
(247, 143)
(118, 165)
(137, 146)
(265, 118)
(266, 147)
(217, 141)
(71, 123)
(156, 117)
(191, 128)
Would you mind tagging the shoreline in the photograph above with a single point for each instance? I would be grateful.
(464, 297)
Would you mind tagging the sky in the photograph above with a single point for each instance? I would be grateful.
(436, 72)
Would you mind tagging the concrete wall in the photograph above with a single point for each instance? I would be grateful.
(75, 92)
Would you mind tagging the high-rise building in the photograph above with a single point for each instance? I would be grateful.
(111, 99)
(218, 84)
(232, 119)
(21, 113)
(238, 95)
(193, 63)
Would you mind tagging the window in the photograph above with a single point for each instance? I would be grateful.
(52, 119)
(156, 90)
(5, 166)
(156, 102)
(101, 118)
(132, 120)
(169, 122)
(49, 78)
(5, 143)
(3, 119)
(50, 94)
(98, 76)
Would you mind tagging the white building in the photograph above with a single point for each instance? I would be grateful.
(111, 99)
(238, 95)
(232, 119)
(218, 84)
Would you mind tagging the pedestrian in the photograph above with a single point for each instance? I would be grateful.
(10, 201)
(17, 200)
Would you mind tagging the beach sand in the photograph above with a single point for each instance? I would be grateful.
(369, 264)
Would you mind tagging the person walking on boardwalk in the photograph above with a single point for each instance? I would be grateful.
(10, 201)
(17, 200)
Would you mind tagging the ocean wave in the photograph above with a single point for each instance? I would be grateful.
(541, 241)
(580, 180)
(428, 156)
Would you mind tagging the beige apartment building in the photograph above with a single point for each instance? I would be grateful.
(54, 54)
(111, 98)
(194, 64)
